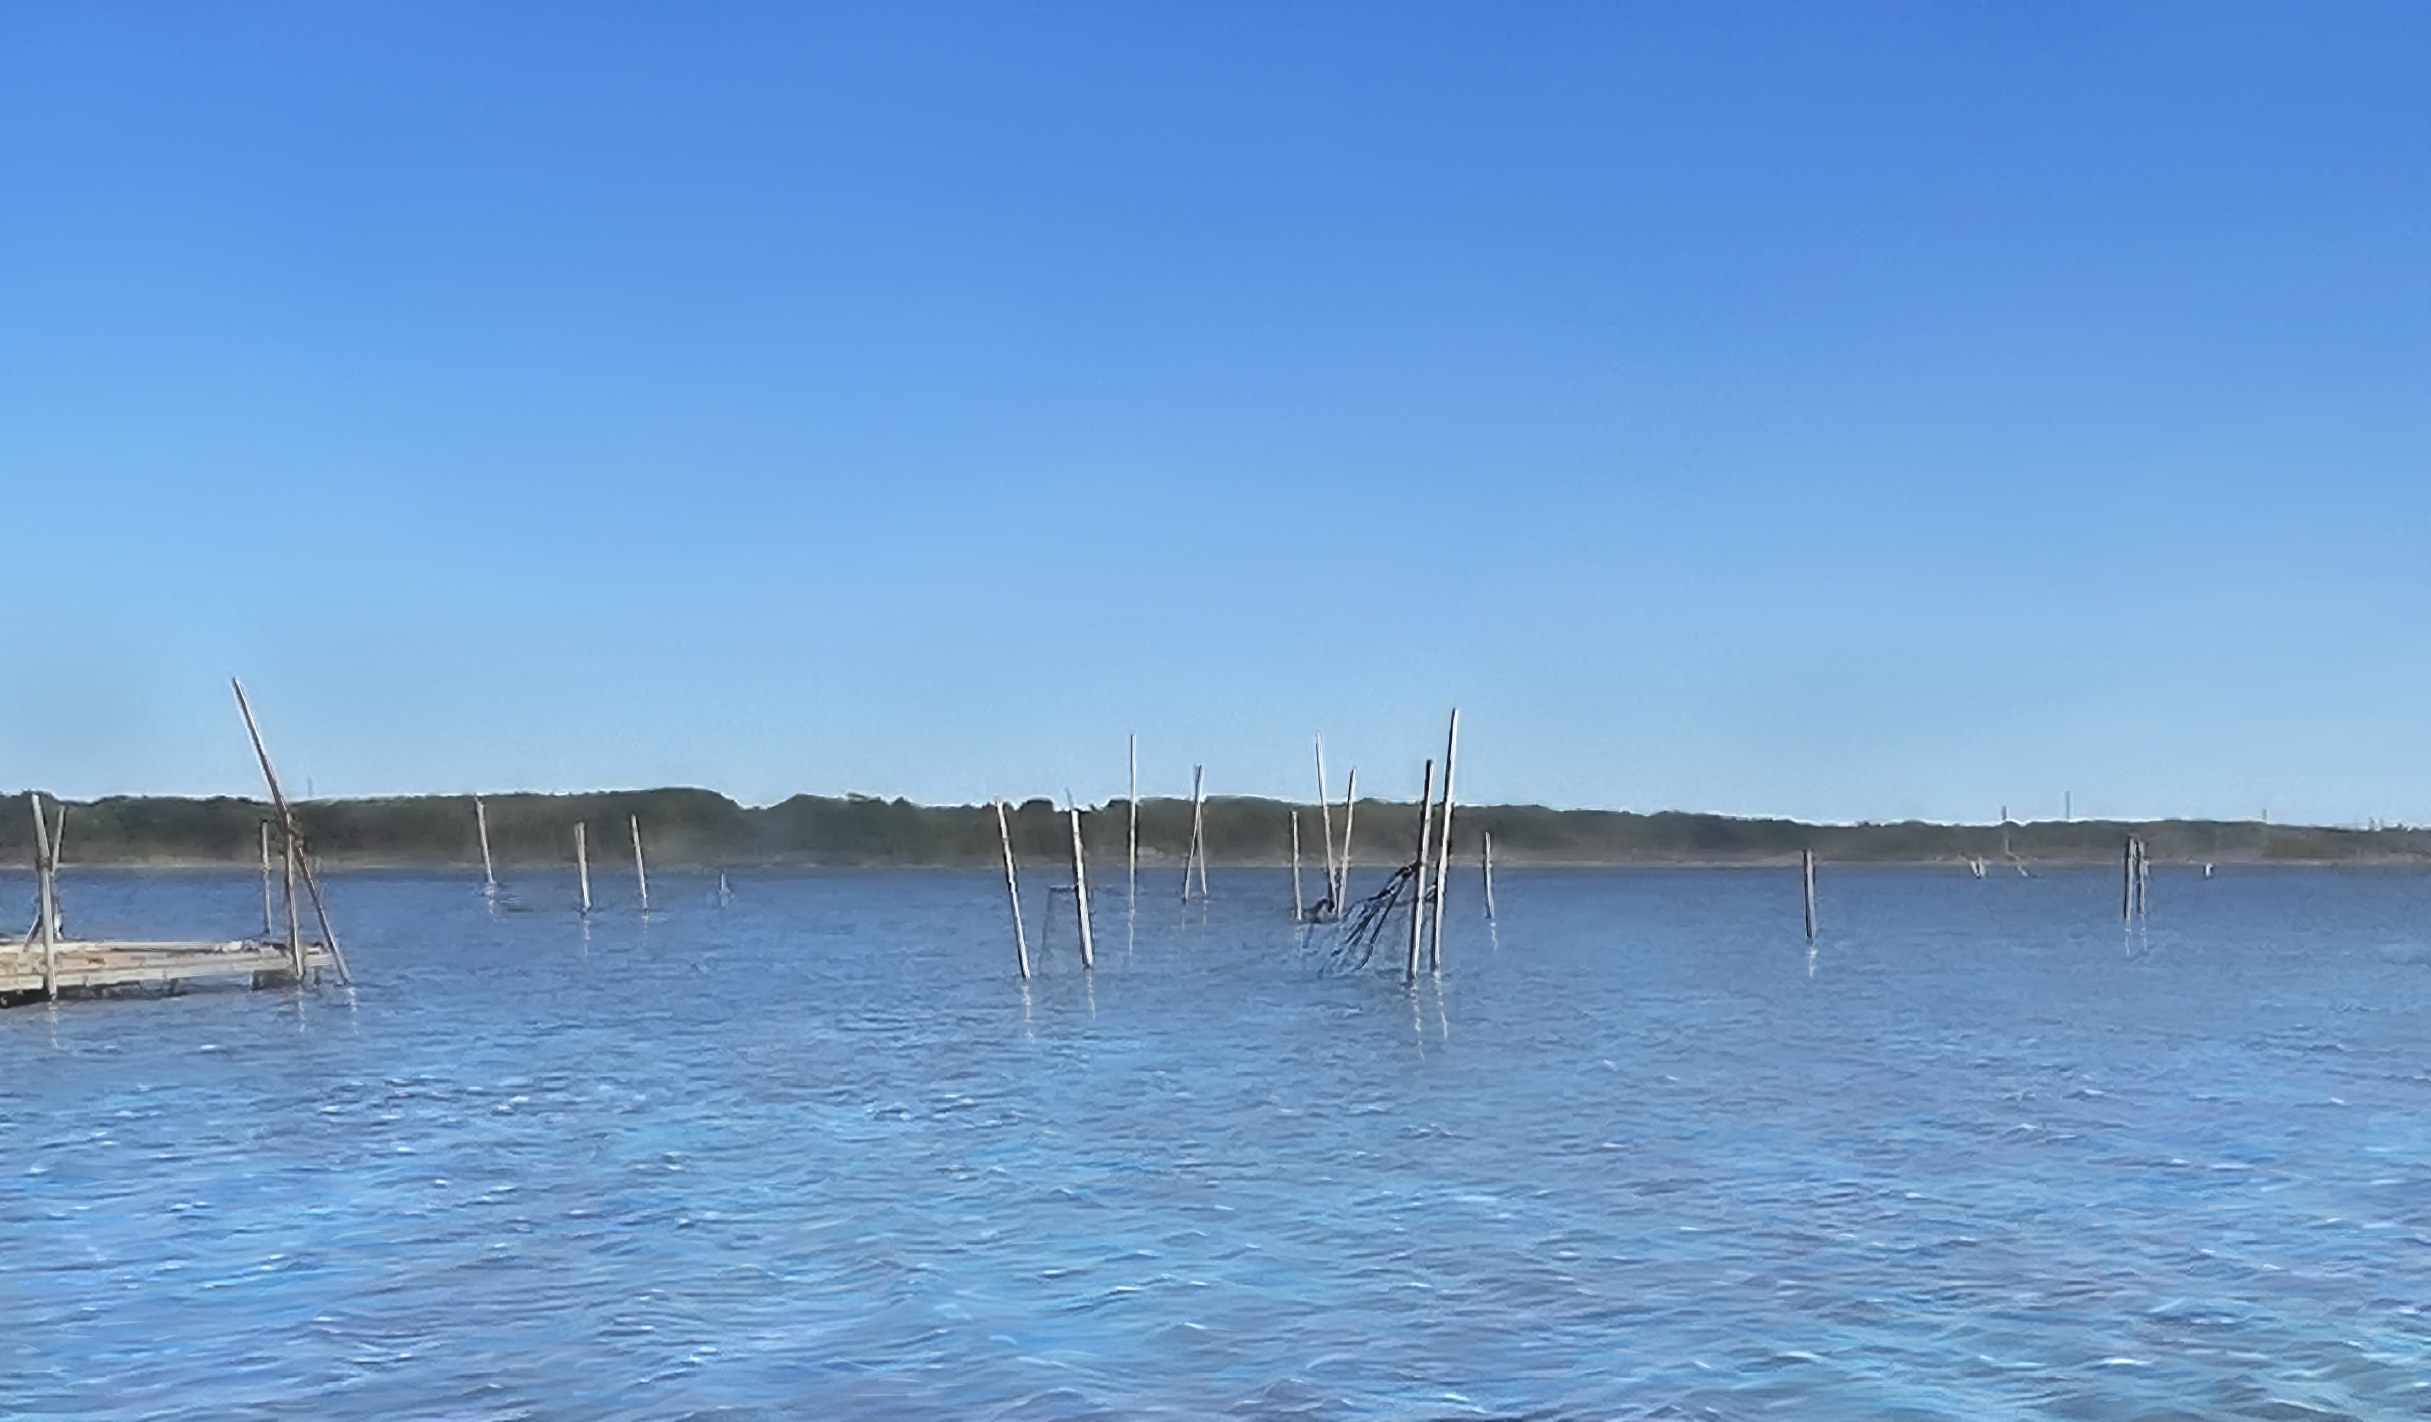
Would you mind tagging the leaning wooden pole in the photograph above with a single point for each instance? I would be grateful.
(1350, 809)
(295, 932)
(1197, 853)
(1080, 894)
(1012, 892)
(641, 871)
(1806, 875)
(582, 863)
(1443, 846)
(1325, 807)
(489, 870)
(294, 834)
(1418, 873)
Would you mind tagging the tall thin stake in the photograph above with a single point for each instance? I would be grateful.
(1299, 910)
(641, 873)
(1080, 894)
(1197, 853)
(1486, 862)
(489, 871)
(1418, 874)
(268, 926)
(1012, 891)
(295, 931)
(582, 863)
(1325, 807)
(294, 834)
(1443, 845)
(1135, 823)
(46, 900)
(1806, 874)
(1350, 808)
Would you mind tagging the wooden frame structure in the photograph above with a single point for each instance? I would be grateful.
(48, 964)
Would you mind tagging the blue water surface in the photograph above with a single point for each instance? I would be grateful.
(818, 1152)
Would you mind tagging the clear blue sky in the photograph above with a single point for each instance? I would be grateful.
(1846, 411)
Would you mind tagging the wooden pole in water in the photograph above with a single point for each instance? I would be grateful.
(2127, 881)
(641, 872)
(1135, 822)
(1443, 847)
(1418, 874)
(1197, 854)
(582, 863)
(295, 930)
(1325, 807)
(1080, 894)
(1486, 861)
(1350, 809)
(294, 833)
(269, 927)
(1012, 890)
(1806, 873)
(1299, 912)
(489, 871)
(45, 899)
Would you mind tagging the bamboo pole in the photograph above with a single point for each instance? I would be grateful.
(1135, 824)
(489, 872)
(641, 872)
(582, 863)
(1080, 894)
(1350, 809)
(45, 891)
(1325, 807)
(1196, 853)
(1199, 817)
(1418, 875)
(1443, 846)
(293, 832)
(1299, 913)
(1806, 874)
(295, 931)
(1012, 890)
(1486, 861)
(269, 927)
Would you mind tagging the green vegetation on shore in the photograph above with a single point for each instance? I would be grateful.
(699, 827)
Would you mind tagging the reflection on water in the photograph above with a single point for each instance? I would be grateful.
(819, 1152)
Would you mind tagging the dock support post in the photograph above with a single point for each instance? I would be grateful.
(1012, 890)
(1080, 894)
(269, 924)
(46, 899)
(1135, 824)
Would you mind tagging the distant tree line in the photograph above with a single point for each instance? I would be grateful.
(700, 827)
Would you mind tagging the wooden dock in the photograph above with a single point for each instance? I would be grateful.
(50, 965)
(99, 969)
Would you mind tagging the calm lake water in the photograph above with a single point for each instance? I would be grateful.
(818, 1153)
